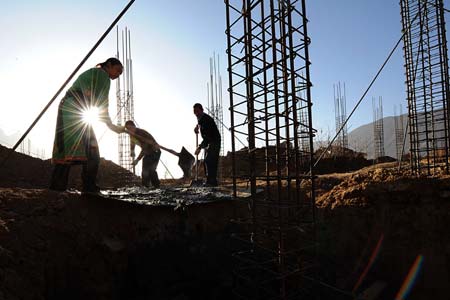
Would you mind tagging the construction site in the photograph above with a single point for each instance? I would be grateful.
(263, 205)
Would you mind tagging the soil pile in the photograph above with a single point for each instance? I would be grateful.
(28, 172)
(406, 216)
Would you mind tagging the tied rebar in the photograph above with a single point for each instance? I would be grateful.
(125, 100)
(427, 84)
(270, 106)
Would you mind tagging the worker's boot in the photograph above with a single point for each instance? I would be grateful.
(60, 177)
(90, 168)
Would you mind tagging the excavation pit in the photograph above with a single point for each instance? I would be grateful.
(126, 244)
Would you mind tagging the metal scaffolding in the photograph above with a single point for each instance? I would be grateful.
(378, 128)
(340, 112)
(427, 82)
(125, 99)
(270, 105)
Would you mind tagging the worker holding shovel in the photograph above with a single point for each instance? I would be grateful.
(150, 153)
(211, 143)
(75, 142)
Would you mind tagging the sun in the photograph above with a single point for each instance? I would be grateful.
(90, 115)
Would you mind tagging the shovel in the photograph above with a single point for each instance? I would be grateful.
(196, 181)
(185, 159)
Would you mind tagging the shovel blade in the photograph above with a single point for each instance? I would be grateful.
(186, 160)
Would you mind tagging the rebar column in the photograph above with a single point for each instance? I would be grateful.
(125, 99)
(340, 111)
(427, 84)
(270, 106)
(378, 128)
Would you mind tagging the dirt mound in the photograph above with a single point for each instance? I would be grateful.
(28, 172)
(377, 222)
(365, 188)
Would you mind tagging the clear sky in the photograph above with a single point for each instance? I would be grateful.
(43, 41)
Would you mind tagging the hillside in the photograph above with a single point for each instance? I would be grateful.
(361, 138)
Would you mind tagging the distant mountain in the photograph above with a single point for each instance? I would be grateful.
(8, 140)
(361, 138)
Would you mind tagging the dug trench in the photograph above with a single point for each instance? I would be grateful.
(66, 246)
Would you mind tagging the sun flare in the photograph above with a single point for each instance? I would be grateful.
(90, 115)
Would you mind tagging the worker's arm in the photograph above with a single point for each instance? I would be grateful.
(104, 117)
(202, 145)
(206, 130)
(132, 147)
(140, 156)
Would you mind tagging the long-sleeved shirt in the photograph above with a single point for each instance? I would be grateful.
(90, 89)
(144, 140)
(208, 130)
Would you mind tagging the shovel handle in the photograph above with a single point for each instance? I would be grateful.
(196, 157)
(170, 150)
(162, 147)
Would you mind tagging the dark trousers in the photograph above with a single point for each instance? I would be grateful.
(60, 175)
(149, 165)
(212, 162)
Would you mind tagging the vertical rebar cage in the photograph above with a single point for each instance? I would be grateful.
(426, 63)
(125, 99)
(340, 112)
(270, 105)
(378, 128)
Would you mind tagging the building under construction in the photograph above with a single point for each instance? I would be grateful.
(280, 225)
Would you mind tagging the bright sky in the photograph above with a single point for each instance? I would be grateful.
(43, 41)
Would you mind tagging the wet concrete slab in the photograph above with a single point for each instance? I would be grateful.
(169, 196)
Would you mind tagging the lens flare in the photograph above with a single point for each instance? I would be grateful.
(372, 260)
(410, 279)
(90, 115)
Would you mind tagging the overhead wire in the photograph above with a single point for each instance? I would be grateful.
(365, 92)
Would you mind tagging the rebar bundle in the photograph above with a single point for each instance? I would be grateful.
(125, 99)
(427, 82)
(215, 104)
(270, 105)
(340, 111)
(214, 96)
(399, 132)
(378, 128)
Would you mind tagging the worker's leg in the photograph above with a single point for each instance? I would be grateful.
(212, 161)
(90, 168)
(153, 165)
(60, 177)
(146, 164)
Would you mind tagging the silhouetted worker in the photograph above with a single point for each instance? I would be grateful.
(211, 143)
(75, 141)
(150, 153)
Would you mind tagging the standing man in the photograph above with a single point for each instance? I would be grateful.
(211, 143)
(150, 152)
